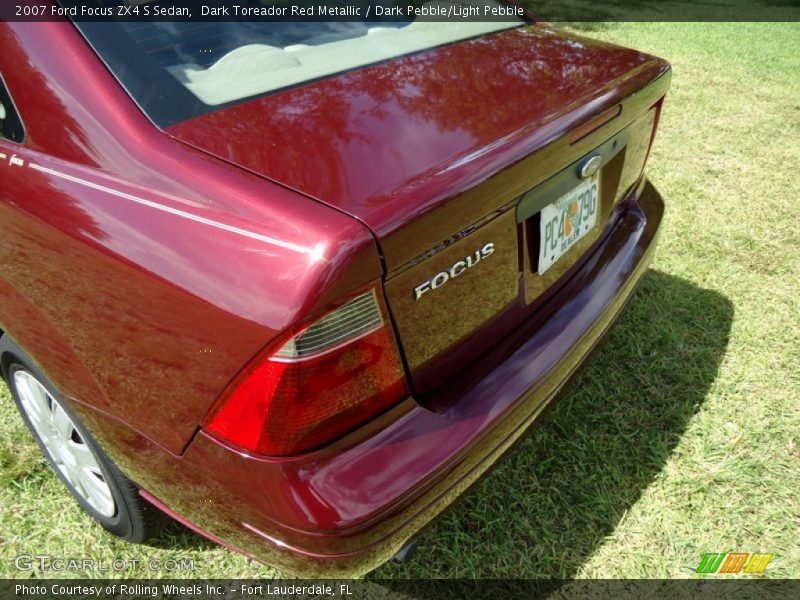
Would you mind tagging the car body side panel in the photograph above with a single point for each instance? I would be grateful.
(31, 325)
(164, 269)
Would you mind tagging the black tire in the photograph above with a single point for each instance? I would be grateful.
(134, 519)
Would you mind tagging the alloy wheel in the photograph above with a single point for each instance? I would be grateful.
(64, 444)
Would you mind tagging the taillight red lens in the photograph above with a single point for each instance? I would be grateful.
(324, 381)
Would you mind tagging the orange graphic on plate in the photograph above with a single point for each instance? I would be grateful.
(571, 212)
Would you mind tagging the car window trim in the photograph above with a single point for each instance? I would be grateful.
(11, 113)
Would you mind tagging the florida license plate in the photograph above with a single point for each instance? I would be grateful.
(567, 220)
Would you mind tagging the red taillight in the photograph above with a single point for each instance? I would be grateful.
(322, 382)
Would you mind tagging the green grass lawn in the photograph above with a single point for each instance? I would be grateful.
(683, 434)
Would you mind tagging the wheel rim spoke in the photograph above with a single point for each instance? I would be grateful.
(83, 456)
(32, 400)
(74, 477)
(99, 495)
(62, 422)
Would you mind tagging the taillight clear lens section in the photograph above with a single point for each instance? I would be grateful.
(324, 381)
(358, 317)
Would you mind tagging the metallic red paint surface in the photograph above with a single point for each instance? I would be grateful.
(156, 313)
(127, 271)
(392, 143)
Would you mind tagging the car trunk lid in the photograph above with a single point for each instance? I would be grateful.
(433, 152)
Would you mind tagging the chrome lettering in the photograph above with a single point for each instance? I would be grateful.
(439, 279)
(455, 270)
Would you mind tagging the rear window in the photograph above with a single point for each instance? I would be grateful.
(178, 70)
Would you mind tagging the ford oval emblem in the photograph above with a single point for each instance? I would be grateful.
(590, 167)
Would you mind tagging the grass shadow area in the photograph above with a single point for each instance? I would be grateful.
(176, 536)
(565, 488)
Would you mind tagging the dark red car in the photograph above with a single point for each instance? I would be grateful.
(299, 285)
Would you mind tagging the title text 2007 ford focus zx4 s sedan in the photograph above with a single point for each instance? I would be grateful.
(300, 285)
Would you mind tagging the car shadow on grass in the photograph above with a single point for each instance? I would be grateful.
(176, 536)
(563, 489)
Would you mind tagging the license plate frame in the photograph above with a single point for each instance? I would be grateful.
(566, 220)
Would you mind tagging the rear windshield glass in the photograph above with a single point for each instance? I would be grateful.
(178, 70)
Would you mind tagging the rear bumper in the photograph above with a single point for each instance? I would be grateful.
(344, 510)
